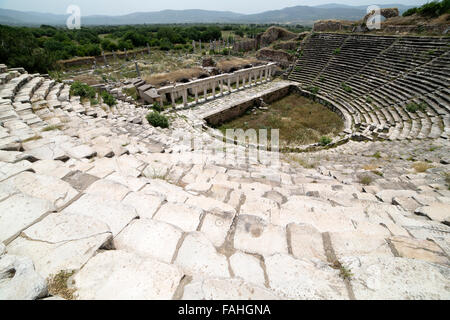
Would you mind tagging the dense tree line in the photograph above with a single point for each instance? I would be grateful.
(431, 9)
(38, 48)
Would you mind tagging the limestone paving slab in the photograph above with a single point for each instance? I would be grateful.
(120, 275)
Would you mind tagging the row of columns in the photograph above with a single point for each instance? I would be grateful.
(246, 77)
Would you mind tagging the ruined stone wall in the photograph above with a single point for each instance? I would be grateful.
(283, 58)
(246, 45)
(240, 108)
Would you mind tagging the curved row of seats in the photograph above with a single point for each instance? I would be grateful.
(379, 80)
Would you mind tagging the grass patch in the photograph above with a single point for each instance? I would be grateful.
(346, 87)
(365, 180)
(300, 121)
(32, 139)
(52, 128)
(420, 167)
(305, 163)
(377, 155)
(57, 285)
(324, 141)
(131, 92)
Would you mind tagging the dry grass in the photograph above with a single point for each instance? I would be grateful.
(178, 75)
(89, 79)
(300, 121)
(422, 166)
(372, 166)
(365, 180)
(415, 20)
(308, 163)
(227, 64)
(58, 286)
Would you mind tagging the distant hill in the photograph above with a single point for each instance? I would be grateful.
(298, 14)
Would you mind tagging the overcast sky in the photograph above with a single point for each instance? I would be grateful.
(118, 7)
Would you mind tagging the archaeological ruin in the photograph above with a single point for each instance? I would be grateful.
(118, 207)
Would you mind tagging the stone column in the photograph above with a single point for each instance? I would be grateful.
(104, 58)
(229, 84)
(250, 79)
(196, 95)
(114, 55)
(185, 97)
(161, 100)
(221, 87)
(148, 49)
(260, 76)
(237, 82)
(172, 98)
(126, 54)
(137, 69)
(213, 89)
(205, 92)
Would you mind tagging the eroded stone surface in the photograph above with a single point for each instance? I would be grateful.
(120, 275)
(301, 279)
(384, 278)
(19, 280)
(198, 257)
(149, 238)
(226, 289)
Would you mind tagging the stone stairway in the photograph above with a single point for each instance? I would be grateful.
(373, 79)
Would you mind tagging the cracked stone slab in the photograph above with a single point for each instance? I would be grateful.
(211, 205)
(198, 257)
(115, 214)
(24, 283)
(149, 238)
(247, 267)
(9, 169)
(216, 227)
(51, 168)
(61, 242)
(145, 205)
(226, 289)
(58, 192)
(14, 156)
(437, 211)
(306, 242)
(20, 211)
(388, 278)
(120, 275)
(419, 249)
(108, 190)
(254, 236)
(183, 216)
(79, 180)
(304, 280)
(358, 244)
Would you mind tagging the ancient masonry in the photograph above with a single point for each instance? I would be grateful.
(130, 212)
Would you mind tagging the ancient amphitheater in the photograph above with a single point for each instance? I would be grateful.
(124, 210)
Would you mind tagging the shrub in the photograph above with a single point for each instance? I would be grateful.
(314, 90)
(157, 107)
(157, 120)
(324, 141)
(346, 87)
(337, 51)
(410, 12)
(82, 90)
(108, 98)
(414, 107)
